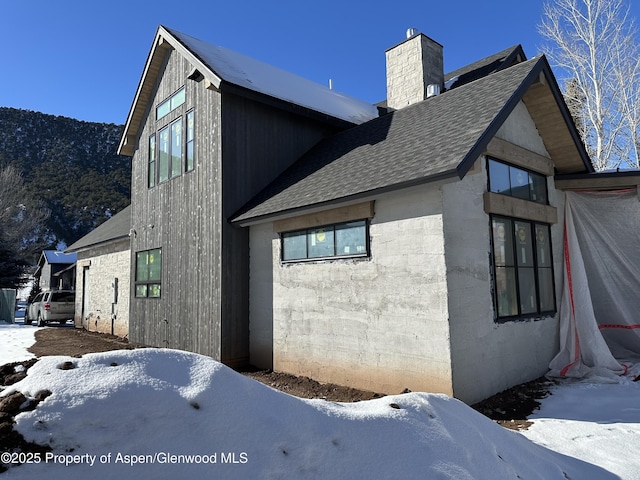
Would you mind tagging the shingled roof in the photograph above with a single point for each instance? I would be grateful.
(438, 138)
(481, 68)
(116, 228)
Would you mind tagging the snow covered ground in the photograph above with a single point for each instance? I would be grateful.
(155, 413)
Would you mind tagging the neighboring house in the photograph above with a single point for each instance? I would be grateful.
(280, 223)
(103, 276)
(56, 270)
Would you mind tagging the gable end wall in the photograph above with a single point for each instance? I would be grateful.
(488, 357)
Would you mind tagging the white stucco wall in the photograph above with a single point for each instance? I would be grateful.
(104, 265)
(379, 324)
(488, 357)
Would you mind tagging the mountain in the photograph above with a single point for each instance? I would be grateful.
(70, 165)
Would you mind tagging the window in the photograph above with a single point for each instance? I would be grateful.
(148, 273)
(170, 158)
(152, 161)
(523, 267)
(163, 158)
(176, 148)
(517, 182)
(341, 240)
(190, 143)
(170, 104)
(171, 149)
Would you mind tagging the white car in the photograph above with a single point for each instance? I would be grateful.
(52, 306)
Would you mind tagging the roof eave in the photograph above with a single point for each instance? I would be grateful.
(238, 218)
(91, 246)
(162, 42)
(542, 67)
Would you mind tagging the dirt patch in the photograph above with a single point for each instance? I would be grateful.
(74, 342)
(306, 387)
(512, 407)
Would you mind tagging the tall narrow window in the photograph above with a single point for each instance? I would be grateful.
(176, 148)
(523, 267)
(152, 161)
(190, 142)
(163, 158)
(149, 273)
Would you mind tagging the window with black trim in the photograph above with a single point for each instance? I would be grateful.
(513, 181)
(170, 104)
(152, 161)
(523, 268)
(349, 239)
(148, 273)
(190, 141)
(171, 148)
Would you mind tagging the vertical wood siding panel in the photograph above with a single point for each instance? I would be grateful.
(204, 304)
(183, 216)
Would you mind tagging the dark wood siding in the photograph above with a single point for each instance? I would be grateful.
(204, 305)
(181, 216)
(259, 142)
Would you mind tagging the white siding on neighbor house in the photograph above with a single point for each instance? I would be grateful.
(488, 357)
(104, 266)
(379, 324)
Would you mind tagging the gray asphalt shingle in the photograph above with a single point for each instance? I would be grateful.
(115, 228)
(416, 144)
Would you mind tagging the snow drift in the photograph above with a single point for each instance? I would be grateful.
(158, 413)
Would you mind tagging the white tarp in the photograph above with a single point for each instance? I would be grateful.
(600, 305)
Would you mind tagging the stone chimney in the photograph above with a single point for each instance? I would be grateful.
(415, 70)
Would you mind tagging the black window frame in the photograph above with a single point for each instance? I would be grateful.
(190, 141)
(328, 228)
(165, 125)
(171, 102)
(517, 267)
(514, 170)
(153, 156)
(147, 283)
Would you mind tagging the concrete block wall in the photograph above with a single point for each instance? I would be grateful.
(488, 357)
(379, 324)
(411, 66)
(105, 264)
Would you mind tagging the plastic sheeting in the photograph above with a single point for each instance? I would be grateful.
(600, 303)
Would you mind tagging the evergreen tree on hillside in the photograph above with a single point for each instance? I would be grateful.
(71, 166)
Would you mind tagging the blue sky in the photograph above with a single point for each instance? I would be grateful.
(83, 59)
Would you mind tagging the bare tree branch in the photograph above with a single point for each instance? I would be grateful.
(594, 43)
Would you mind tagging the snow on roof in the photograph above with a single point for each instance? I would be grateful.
(261, 77)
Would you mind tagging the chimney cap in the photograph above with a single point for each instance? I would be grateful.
(411, 32)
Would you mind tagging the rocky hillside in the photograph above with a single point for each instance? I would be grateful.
(71, 165)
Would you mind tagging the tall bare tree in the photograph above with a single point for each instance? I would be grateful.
(594, 43)
(21, 225)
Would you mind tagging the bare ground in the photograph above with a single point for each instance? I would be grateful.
(509, 408)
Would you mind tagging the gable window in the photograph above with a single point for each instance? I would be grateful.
(516, 182)
(148, 273)
(172, 146)
(523, 267)
(348, 239)
(170, 104)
